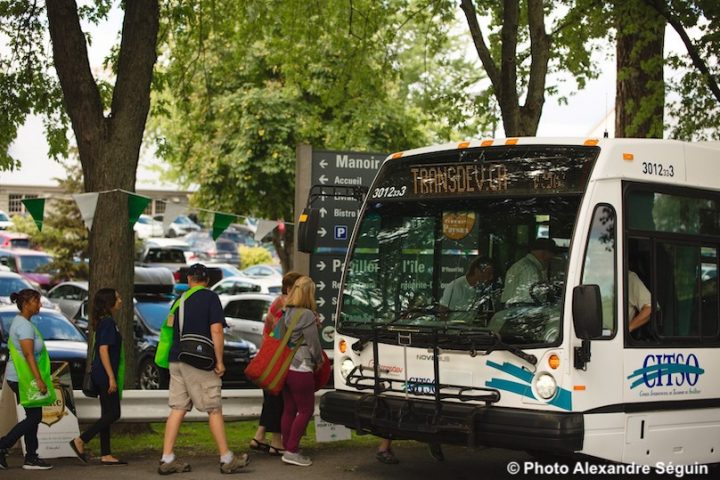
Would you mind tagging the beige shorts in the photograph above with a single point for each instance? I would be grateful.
(191, 387)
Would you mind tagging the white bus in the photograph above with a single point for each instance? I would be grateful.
(551, 366)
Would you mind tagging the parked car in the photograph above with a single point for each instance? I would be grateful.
(241, 235)
(63, 340)
(167, 257)
(5, 221)
(236, 285)
(28, 264)
(147, 227)
(162, 242)
(70, 296)
(264, 271)
(151, 309)
(182, 225)
(245, 314)
(209, 250)
(12, 282)
(227, 269)
(14, 240)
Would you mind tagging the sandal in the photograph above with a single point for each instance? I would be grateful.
(81, 455)
(259, 446)
(276, 452)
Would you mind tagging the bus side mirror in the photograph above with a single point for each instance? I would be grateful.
(307, 229)
(587, 311)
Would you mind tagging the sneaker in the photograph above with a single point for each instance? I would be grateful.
(3, 462)
(176, 466)
(387, 457)
(36, 463)
(235, 465)
(296, 459)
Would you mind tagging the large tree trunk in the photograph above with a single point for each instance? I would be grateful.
(109, 146)
(283, 243)
(640, 96)
(518, 120)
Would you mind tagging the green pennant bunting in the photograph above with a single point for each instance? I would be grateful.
(220, 223)
(136, 206)
(36, 207)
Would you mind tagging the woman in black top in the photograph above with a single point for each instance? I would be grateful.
(104, 374)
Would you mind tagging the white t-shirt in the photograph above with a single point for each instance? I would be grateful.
(459, 295)
(638, 295)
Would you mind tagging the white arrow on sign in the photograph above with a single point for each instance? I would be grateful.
(323, 179)
(320, 285)
(323, 164)
(320, 301)
(321, 317)
(323, 212)
(321, 266)
(322, 232)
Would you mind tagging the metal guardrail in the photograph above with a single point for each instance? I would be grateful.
(152, 406)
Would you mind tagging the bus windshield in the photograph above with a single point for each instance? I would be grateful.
(467, 262)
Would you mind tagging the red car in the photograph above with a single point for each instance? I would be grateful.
(28, 263)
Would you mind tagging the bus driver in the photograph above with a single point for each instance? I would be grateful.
(527, 271)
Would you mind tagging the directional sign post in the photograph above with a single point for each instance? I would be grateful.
(337, 222)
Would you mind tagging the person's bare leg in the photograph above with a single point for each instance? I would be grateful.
(217, 428)
(260, 434)
(276, 441)
(172, 428)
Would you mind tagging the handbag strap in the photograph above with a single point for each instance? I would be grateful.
(181, 305)
(290, 328)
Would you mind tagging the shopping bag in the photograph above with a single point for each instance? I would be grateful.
(270, 367)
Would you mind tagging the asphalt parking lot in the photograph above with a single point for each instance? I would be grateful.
(345, 463)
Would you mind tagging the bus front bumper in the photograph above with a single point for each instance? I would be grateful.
(456, 423)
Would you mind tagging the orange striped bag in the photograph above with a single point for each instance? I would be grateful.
(269, 369)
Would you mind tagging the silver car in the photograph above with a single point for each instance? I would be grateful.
(245, 314)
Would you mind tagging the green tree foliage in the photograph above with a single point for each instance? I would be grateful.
(64, 234)
(248, 81)
(694, 105)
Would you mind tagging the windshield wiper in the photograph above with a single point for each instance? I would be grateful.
(498, 344)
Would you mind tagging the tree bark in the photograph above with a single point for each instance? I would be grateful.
(640, 96)
(517, 120)
(283, 243)
(109, 147)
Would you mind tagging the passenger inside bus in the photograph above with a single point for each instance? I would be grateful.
(466, 297)
(639, 302)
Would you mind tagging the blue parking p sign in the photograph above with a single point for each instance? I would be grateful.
(341, 232)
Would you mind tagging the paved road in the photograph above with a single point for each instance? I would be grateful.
(329, 464)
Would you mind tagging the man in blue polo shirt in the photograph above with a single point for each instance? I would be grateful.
(202, 314)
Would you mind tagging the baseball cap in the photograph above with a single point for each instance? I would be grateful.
(198, 271)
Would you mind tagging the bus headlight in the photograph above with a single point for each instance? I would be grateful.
(346, 367)
(546, 386)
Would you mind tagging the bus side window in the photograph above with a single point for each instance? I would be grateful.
(599, 263)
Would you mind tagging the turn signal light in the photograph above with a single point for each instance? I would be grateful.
(554, 361)
(628, 156)
(342, 346)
